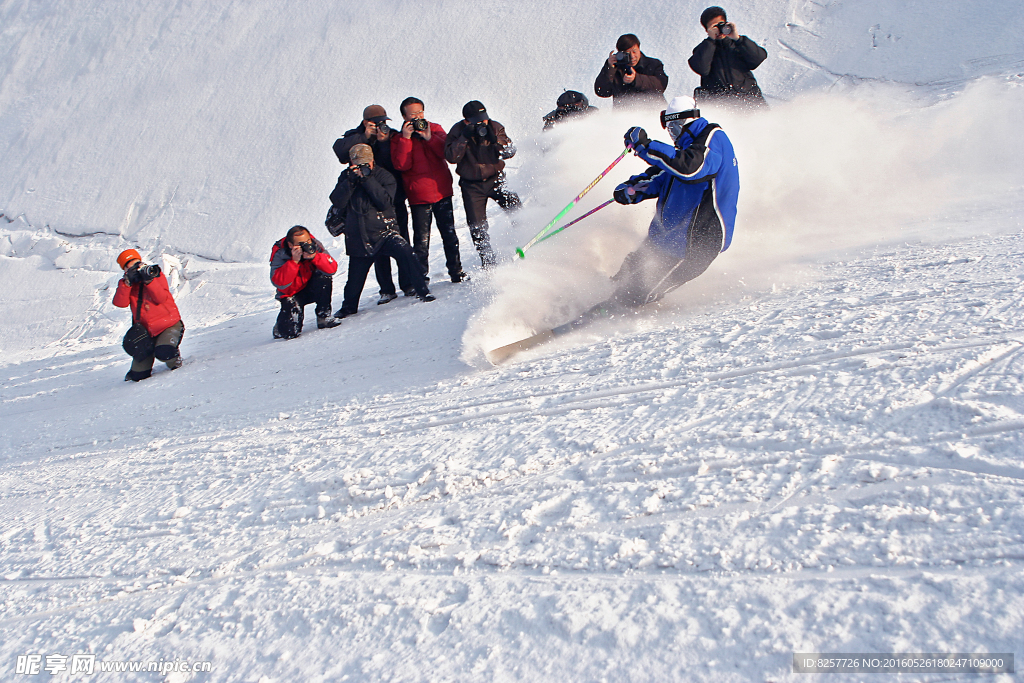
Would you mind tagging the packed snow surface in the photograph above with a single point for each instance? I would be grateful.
(815, 447)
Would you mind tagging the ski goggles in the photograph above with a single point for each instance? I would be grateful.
(675, 122)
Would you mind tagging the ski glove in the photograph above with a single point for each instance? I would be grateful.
(620, 195)
(636, 138)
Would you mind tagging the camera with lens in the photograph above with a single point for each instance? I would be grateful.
(723, 29)
(383, 127)
(623, 61)
(360, 171)
(420, 125)
(478, 130)
(139, 273)
(308, 247)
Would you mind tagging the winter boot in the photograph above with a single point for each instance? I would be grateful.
(386, 299)
(133, 376)
(326, 322)
(427, 297)
(460, 276)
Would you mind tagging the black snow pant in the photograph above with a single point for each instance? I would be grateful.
(382, 264)
(649, 273)
(165, 350)
(475, 194)
(394, 247)
(317, 291)
(422, 214)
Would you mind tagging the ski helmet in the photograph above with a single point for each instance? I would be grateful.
(681, 111)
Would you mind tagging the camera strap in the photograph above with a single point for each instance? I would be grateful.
(138, 306)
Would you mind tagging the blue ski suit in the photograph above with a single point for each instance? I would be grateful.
(696, 183)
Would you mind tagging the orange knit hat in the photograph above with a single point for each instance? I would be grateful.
(126, 256)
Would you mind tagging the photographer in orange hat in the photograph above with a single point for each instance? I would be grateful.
(157, 329)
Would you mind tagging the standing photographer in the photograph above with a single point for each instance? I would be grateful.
(478, 147)
(363, 196)
(418, 153)
(143, 289)
(301, 269)
(630, 77)
(375, 132)
(724, 61)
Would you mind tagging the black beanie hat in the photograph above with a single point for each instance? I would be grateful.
(709, 14)
(474, 111)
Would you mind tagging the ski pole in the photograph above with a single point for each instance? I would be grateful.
(521, 251)
(558, 230)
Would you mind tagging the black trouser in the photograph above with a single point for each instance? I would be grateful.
(165, 350)
(421, 218)
(649, 273)
(317, 291)
(475, 194)
(382, 264)
(394, 247)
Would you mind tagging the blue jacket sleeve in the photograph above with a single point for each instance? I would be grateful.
(646, 185)
(695, 164)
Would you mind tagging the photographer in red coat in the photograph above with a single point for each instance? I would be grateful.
(301, 269)
(156, 312)
(418, 153)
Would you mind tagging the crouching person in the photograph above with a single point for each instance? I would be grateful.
(301, 269)
(157, 328)
(363, 196)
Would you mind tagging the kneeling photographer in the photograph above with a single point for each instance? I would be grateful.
(630, 77)
(724, 61)
(301, 270)
(157, 329)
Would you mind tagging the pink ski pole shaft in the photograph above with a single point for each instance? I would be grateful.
(521, 251)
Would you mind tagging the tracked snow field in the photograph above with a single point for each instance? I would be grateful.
(689, 495)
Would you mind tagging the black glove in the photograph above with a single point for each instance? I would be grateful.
(636, 138)
(620, 195)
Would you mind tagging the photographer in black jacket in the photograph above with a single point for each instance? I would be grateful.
(724, 61)
(630, 77)
(570, 105)
(364, 195)
(375, 132)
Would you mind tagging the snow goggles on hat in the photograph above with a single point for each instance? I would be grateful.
(678, 116)
(673, 122)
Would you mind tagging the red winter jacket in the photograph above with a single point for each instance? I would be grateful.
(158, 309)
(425, 173)
(290, 277)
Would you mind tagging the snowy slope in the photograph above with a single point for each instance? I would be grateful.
(814, 447)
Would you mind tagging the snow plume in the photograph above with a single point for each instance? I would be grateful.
(821, 175)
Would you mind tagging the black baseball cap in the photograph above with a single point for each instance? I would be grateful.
(474, 112)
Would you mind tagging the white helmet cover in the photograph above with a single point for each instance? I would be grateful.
(681, 110)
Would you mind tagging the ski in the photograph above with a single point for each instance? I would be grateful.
(503, 353)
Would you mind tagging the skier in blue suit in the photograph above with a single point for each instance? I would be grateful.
(696, 182)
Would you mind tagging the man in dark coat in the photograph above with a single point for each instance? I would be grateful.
(724, 61)
(630, 77)
(570, 105)
(478, 147)
(375, 132)
(364, 195)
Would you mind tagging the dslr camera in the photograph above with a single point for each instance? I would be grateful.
(478, 130)
(308, 247)
(361, 171)
(622, 61)
(139, 273)
(383, 127)
(420, 125)
(723, 29)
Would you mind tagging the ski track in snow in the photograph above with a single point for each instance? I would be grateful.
(690, 494)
